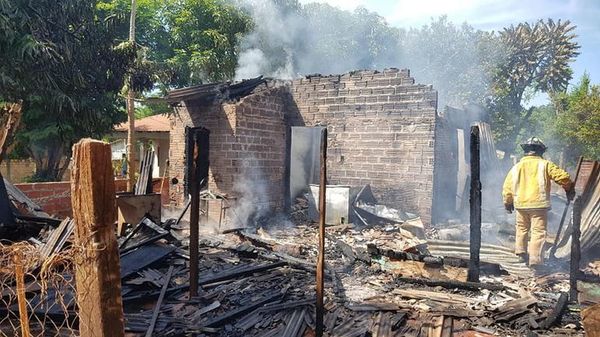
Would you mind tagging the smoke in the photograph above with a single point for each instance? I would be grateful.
(251, 188)
(290, 40)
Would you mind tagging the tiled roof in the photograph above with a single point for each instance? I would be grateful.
(156, 123)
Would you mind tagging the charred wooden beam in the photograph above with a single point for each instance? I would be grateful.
(475, 208)
(320, 310)
(451, 284)
(575, 250)
(161, 297)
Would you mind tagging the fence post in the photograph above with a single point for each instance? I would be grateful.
(98, 269)
(20, 278)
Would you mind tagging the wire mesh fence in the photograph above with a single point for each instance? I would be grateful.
(38, 294)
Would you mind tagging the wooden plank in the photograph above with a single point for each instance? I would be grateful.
(452, 284)
(159, 302)
(514, 308)
(98, 270)
(434, 296)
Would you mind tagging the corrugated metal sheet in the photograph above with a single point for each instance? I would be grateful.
(505, 257)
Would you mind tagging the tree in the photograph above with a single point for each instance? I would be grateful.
(185, 42)
(537, 58)
(60, 60)
(578, 118)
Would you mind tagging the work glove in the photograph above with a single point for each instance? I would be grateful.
(571, 194)
(510, 207)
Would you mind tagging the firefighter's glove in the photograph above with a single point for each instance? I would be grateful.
(571, 193)
(509, 207)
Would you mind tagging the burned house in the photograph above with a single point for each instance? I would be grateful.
(381, 125)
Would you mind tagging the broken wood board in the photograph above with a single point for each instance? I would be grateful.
(454, 299)
(417, 269)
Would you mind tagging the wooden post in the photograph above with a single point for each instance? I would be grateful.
(321, 258)
(97, 272)
(130, 102)
(575, 250)
(194, 218)
(21, 298)
(475, 208)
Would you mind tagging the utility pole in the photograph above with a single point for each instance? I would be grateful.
(131, 110)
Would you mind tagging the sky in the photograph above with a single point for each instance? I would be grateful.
(494, 15)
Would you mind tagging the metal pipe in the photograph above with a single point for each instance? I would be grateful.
(475, 208)
(321, 258)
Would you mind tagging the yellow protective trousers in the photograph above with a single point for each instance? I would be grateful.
(534, 221)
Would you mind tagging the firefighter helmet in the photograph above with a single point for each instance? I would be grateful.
(534, 144)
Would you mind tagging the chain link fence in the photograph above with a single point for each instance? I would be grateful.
(38, 295)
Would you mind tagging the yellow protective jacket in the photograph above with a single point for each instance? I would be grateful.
(527, 185)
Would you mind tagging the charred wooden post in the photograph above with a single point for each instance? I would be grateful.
(475, 204)
(197, 175)
(194, 185)
(321, 259)
(97, 274)
(575, 250)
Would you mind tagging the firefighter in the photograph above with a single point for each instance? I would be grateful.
(527, 189)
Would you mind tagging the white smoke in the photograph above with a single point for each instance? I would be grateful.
(267, 49)
(289, 40)
(251, 188)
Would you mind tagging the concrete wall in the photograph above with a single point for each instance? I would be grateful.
(381, 132)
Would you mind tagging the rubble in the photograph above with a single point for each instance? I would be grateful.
(381, 280)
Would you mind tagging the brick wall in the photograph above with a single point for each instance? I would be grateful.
(247, 149)
(55, 197)
(381, 132)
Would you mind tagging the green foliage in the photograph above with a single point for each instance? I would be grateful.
(60, 60)
(184, 42)
(578, 119)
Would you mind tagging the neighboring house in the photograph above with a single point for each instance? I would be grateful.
(151, 133)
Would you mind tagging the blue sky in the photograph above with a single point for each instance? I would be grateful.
(494, 15)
